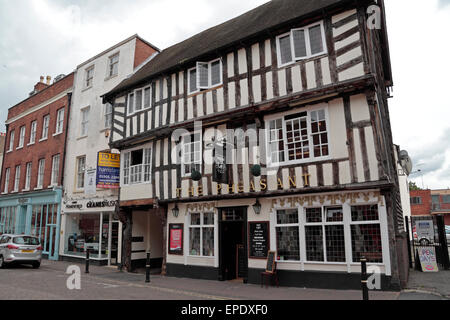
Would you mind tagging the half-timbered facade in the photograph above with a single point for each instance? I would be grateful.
(295, 93)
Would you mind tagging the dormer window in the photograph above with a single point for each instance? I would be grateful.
(205, 75)
(300, 44)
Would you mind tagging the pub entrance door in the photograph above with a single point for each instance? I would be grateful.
(233, 259)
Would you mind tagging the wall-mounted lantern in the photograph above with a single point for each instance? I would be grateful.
(176, 211)
(257, 207)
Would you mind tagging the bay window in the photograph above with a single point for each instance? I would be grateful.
(298, 137)
(302, 43)
(201, 234)
(137, 166)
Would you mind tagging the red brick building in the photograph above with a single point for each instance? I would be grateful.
(440, 204)
(420, 202)
(431, 202)
(32, 170)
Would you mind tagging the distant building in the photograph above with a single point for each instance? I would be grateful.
(32, 169)
(2, 147)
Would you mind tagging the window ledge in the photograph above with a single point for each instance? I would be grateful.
(78, 191)
(19, 148)
(81, 138)
(9, 151)
(15, 191)
(196, 93)
(4, 193)
(39, 188)
(43, 139)
(111, 77)
(87, 88)
(57, 134)
(104, 130)
(26, 190)
(31, 144)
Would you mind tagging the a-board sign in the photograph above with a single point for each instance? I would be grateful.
(176, 239)
(270, 261)
(258, 240)
(427, 258)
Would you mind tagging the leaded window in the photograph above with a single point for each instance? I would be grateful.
(202, 234)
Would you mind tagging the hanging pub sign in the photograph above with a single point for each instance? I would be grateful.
(176, 239)
(108, 170)
(258, 240)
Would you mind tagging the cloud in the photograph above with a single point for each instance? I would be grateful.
(443, 3)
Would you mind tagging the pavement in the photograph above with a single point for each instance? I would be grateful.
(107, 283)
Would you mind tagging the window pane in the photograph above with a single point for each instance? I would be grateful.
(299, 43)
(138, 100)
(366, 242)
(285, 49)
(194, 241)
(313, 215)
(314, 243)
(288, 247)
(287, 216)
(147, 98)
(215, 73)
(315, 37)
(365, 213)
(208, 218)
(335, 214)
(335, 243)
(208, 242)
(203, 71)
(193, 80)
(195, 219)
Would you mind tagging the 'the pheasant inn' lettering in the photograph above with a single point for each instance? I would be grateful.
(240, 187)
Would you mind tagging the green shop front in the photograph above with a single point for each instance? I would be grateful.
(37, 214)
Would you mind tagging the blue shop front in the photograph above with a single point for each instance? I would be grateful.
(35, 213)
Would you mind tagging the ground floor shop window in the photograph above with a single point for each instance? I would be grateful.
(328, 235)
(366, 234)
(7, 220)
(201, 234)
(82, 233)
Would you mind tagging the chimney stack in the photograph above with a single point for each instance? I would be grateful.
(42, 79)
(48, 80)
(41, 85)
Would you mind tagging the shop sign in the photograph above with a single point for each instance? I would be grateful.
(24, 200)
(176, 239)
(427, 257)
(108, 170)
(102, 204)
(74, 206)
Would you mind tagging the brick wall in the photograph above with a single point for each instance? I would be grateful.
(40, 149)
(425, 207)
(42, 96)
(142, 52)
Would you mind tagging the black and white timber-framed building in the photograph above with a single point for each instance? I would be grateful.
(319, 186)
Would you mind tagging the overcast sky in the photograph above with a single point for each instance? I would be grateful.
(50, 37)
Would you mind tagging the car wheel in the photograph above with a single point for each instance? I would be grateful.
(36, 265)
(424, 242)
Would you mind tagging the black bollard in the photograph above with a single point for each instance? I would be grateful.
(87, 261)
(365, 289)
(147, 269)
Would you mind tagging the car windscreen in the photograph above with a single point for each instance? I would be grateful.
(30, 241)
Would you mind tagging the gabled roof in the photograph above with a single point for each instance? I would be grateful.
(259, 20)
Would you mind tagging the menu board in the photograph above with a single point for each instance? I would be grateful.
(271, 262)
(258, 240)
(427, 257)
(176, 239)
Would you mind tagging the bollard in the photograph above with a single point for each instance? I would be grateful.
(147, 269)
(119, 266)
(365, 289)
(87, 261)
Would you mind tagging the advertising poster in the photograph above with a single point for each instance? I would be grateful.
(89, 180)
(108, 170)
(176, 239)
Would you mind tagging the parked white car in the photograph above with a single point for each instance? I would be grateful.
(20, 249)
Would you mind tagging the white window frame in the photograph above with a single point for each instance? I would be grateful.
(28, 176)
(108, 116)
(11, 140)
(309, 55)
(110, 65)
(59, 121)
(17, 179)
(45, 126)
(210, 85)
(143, 97)
(80, 173)
(134, 100)
(199, 162)
(288, 225)
(22, 133)
(127, 169)
(55, 171)
(201, 226)
(88, 79)
(129, 110)
(41, 170)
(7, 176)
(312, 158)
(33, 133)
(84, 126)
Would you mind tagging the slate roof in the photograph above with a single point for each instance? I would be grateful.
(248, 25)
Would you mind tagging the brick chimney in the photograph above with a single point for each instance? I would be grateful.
(41, 85)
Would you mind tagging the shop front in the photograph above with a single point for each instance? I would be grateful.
(94, 226)
(37, 214)
(318, 239)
